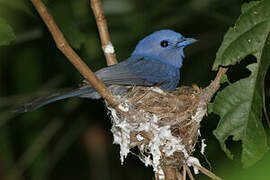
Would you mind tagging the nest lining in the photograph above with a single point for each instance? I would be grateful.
(163, 125)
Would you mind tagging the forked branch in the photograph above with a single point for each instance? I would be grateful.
(71, 55)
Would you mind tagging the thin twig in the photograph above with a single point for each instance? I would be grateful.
(210, 90)
(216, 83)
(207, 172)
(189, 173)
(170, 173)
(71, 54)
(220, 73)
(156, 176)
(184, 172)
(107, 46)
(179, 175)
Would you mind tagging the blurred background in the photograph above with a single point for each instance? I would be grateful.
(71, 139)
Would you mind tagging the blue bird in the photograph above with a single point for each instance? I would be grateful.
(156, 61)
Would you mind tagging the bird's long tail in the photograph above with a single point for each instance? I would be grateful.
(31, 106)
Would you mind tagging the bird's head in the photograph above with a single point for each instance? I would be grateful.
(164, 45)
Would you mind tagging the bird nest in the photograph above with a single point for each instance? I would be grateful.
(164, 126)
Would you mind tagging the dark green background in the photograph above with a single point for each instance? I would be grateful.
(81, 146)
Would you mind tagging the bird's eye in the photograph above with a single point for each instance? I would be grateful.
(164, 43)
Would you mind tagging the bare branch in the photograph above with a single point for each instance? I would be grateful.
(214, 86)
(207, 172)
(216, 82)
(210, 90)
(189, 173)
(170, 173)
(184, 172)
(107, 46)
(179, 175)
(71, 55)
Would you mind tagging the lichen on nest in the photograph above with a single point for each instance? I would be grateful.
(163, 125)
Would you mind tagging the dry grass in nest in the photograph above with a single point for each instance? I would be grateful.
(163, 125)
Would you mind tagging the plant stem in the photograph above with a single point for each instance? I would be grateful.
(71, 55)
(207, 172)
(103, 32)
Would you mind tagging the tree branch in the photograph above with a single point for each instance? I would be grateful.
(170, 173)
(207, 172)
(210, 90)
(189, 173)
(216, 82)
(214, 86)
(106, 44)
(184, 172)
(71, 55)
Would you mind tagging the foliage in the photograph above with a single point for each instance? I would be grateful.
(240, 104)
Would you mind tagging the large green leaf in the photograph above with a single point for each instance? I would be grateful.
(247, 36)
(240, 104)
(6, 33)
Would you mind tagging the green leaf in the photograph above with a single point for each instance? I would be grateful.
(246, 6)
(6, 33)
(247, 36)
(239, 107)
(240, 104)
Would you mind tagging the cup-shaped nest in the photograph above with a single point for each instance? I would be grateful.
(163, 125)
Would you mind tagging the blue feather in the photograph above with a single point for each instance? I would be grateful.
(154, 62)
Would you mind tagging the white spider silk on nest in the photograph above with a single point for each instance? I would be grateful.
(191, 161)
(162, 138)
(142, 128)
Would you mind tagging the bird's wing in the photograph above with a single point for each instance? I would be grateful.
(136, 71)
(133, 71)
